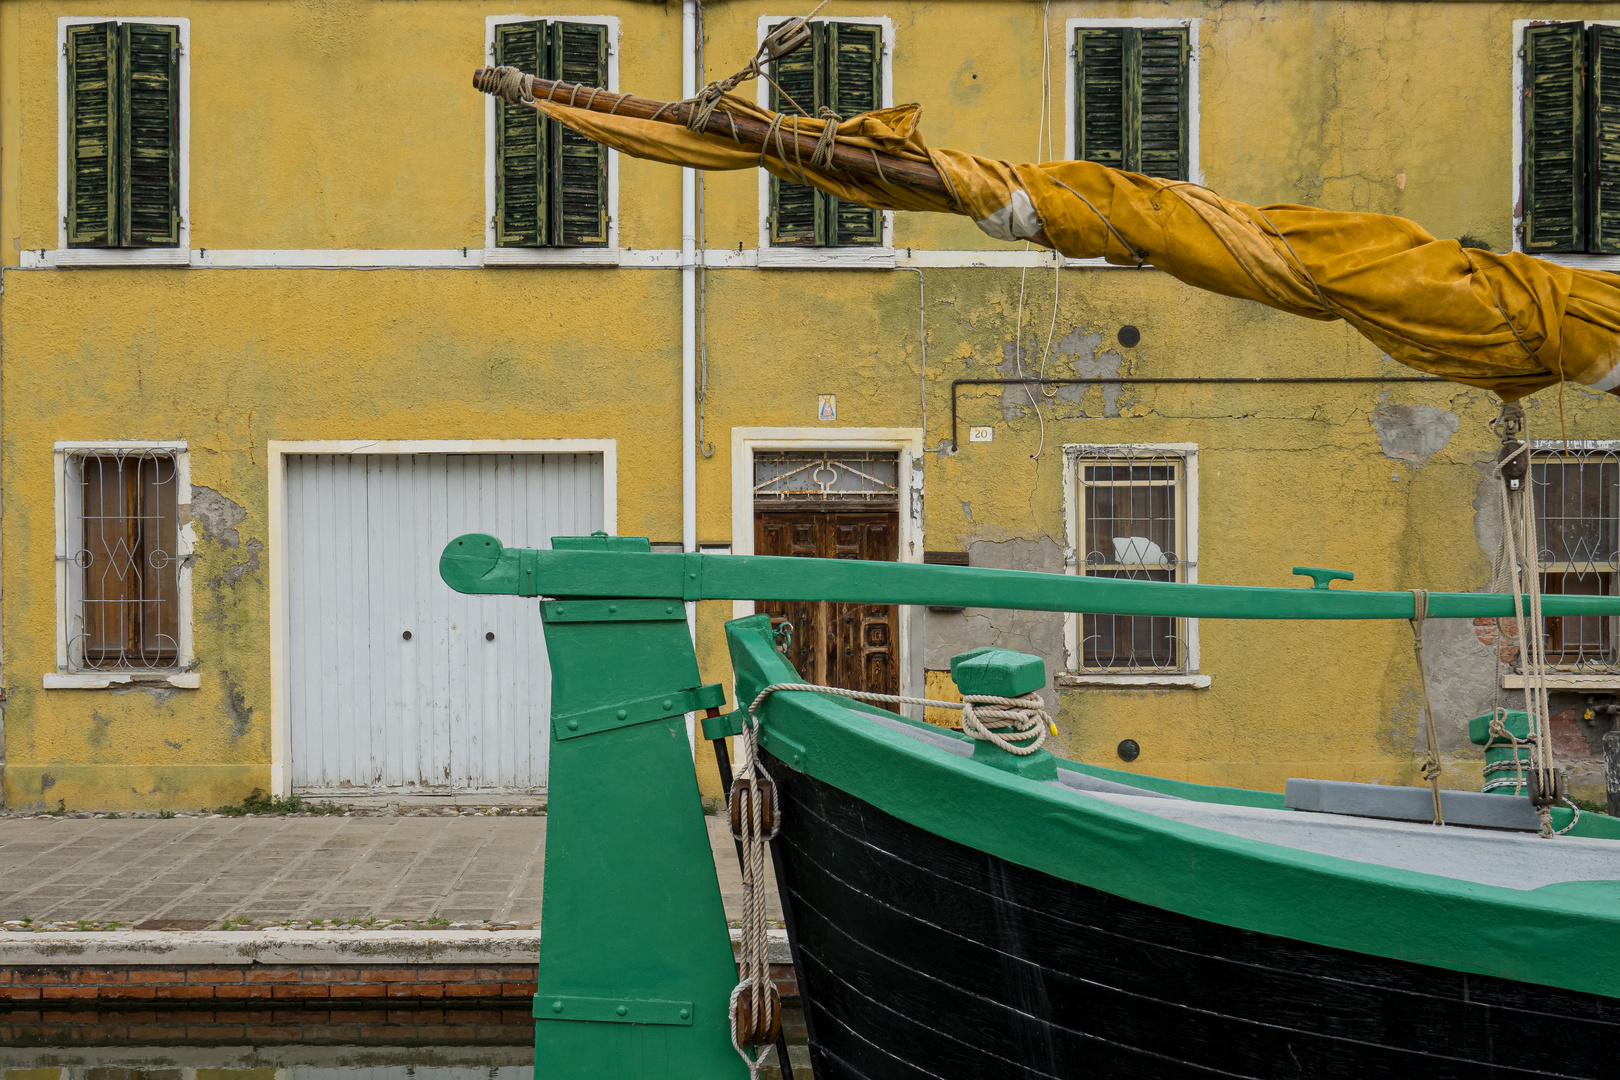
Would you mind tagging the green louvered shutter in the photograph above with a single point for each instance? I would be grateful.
(1162, 103)
(794, 218)
(149, 135)
(92, 150)
(520, 142)
(1099, 125)
(854, 69)
(1603, 142)
(1554, 144)
(579, 216)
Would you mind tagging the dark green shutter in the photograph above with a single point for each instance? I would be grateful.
(1133, 99)
(1554, 146)
(578, 165)
(854, 68)
(92, 150)
(1099, 124)
(1162, 103)
(149, 135)
(1603, 144)
(520, 142)
(794, 220)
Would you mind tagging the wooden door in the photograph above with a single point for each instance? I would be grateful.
(836, 644)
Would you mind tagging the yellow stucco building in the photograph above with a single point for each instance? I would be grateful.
(286, 304)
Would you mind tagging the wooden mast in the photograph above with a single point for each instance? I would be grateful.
(745, 130)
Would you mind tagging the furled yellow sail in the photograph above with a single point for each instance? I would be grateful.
(1512, 323)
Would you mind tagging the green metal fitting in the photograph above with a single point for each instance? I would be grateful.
(724, 725)
(1322, 579)
(640, 711)
(1000, 672)
(613, 1010)
(1517, 723)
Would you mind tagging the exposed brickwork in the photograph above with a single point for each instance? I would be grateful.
(168, 1024)
(210, 982)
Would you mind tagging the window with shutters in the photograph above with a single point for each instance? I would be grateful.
(123, 128)
(123, 558)
(550, 187)
(1569, 145)
(1132, 513)
(1133, 100)
(842, 67)
(1575, 489)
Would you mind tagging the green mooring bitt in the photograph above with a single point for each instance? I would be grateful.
(614, 567)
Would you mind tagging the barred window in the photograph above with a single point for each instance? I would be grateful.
(121, 550)
(1576, 494)
(1131, 522)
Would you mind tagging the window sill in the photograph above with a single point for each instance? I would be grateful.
(537, 256)
(1567, 680)
(1580, 260)
(100, 680)
(65, 257)
(1068, 680)
(789, 258)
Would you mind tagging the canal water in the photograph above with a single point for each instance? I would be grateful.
(300, 1043)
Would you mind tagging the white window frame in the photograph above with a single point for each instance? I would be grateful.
(68, 516)
(1516, 177)
(65, 256)
(550, 256)
(1073, 541)
(825, 257)
(1195, 168)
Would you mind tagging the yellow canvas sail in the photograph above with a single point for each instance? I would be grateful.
(1511, 323)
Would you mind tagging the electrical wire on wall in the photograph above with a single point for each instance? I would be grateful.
(706, 449)
(1043, 145)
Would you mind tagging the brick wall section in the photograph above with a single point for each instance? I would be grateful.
(300, 1023)
(218, 984)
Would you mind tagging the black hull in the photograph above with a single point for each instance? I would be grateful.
(921, 958)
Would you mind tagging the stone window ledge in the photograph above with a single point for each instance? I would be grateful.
(1567, 680)
(1068, 680)
(101, 680)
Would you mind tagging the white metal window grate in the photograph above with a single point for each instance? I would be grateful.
(122, 550)
(1576, 494)
(798, 478)
(1132, 524)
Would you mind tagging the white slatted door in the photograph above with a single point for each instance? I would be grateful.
(463, 702)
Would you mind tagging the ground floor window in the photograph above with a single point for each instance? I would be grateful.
(1576, 494)
(122, 566)
(1129, 518)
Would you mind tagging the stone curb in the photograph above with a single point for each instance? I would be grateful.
(158, 947)
(289, 947)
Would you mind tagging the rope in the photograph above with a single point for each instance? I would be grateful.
(1141, 257)
(753, 967)
(1498, 730)
(512, 86)
(822, 156)
(1007, 723)
(1431, 762)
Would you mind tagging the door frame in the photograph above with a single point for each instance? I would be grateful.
(276, 463)
(907, 442)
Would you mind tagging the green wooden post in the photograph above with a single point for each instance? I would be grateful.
(636, 965)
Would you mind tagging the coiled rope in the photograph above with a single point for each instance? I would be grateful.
(1016, 724)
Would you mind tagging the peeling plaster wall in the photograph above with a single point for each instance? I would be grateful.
(1300, 102)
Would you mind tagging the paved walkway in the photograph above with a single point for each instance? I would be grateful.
(200, 871)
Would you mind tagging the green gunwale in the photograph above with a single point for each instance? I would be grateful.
(1560, 935)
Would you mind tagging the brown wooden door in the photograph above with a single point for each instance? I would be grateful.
(836, 644)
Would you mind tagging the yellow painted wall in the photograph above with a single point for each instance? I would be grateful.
(352, 126)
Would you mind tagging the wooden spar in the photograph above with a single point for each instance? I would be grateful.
(744, 129)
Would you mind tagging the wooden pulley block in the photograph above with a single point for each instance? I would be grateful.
(743, 791)
(769, 1027)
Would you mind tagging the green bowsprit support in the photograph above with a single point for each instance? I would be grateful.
(636, 965)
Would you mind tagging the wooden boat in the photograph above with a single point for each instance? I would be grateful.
(955, 911)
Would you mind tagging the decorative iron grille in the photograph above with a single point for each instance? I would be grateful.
(123, 565)
(1576, 494)
(1131, 524)
(801, 478)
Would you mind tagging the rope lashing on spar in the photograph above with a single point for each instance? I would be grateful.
(1431, 760)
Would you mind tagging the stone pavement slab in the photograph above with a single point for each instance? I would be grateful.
(465, 870)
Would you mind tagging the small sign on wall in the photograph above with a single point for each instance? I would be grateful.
(827, 407)
(981, 434)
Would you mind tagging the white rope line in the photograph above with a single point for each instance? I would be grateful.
(1008, 722)
(1431, 762)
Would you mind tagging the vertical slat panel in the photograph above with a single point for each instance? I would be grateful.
(1554, 138)
(1603, 148)
(299, 541)
(410, 521)
(92, 122)
(441, 717)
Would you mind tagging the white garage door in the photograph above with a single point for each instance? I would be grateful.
(395, 681)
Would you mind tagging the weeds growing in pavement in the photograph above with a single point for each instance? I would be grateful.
(258, 802)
